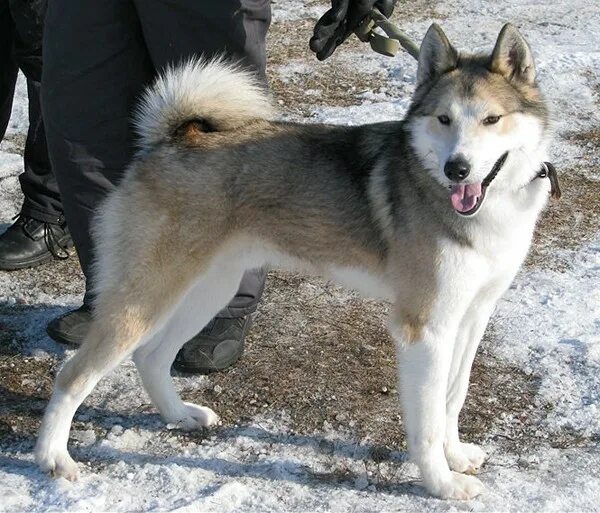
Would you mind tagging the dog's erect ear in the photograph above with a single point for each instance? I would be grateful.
(436, 56)
(512, 56)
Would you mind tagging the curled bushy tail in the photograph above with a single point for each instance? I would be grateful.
(220, 94)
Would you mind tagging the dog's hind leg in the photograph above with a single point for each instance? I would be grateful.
(125, 315)
(202, 302)
(107, 344)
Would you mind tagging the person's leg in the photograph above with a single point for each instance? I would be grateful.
(180, 29)
(95, 66)
(235, 29)
(219, 345)
(8, 66)
(42, 198)
(38, 183)
(40, 232)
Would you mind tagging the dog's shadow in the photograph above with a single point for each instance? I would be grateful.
(280, 470)
(99, 456)
(283, 469)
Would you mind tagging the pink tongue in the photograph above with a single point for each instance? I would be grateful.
(464, 196)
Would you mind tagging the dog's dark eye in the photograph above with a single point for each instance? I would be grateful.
(491, 120)
(444, 120)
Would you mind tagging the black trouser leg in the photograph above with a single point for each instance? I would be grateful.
(256, 19)
(21, 47)
(95, 66)
(8, 66)
(177, 30)
(97, 58)
(38, 183)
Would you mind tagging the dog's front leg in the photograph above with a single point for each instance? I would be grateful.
(424, 356)
(464, 457)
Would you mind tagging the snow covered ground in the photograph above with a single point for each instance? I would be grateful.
(547, 325)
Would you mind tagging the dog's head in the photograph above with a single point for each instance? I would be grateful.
(470, 112)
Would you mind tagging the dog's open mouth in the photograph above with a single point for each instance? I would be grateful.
(467, 198)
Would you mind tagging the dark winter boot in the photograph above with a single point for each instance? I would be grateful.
(215, 348)
(72, 327)
(29, 242)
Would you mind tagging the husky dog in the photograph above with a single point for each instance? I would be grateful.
(434, 213)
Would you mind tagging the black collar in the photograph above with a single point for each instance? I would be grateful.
(547, 170)
(495, 169)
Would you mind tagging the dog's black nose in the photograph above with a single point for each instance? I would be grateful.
(457, 169)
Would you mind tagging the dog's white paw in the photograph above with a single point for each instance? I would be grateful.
(459, 486)
(57, 464)
(465, 458)
(195, 417)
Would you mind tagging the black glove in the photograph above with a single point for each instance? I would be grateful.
(334, 27)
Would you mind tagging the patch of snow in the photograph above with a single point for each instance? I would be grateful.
(291, 10)
(549, 324)
(19, 117)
